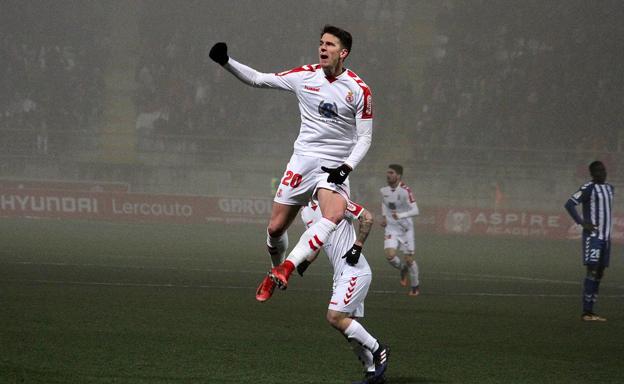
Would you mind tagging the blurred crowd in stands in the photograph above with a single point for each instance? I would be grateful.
(51, 76)
(180, 90)
(524, 75)
(536, 75)
(527, 75)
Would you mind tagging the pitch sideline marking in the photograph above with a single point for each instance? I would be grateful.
(189, 286)
(468, 276)
(384, 275)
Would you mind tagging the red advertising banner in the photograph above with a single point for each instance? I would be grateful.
(488, 222)
(187, 209)
(131, 207)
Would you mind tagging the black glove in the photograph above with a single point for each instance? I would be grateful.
(337, 175)
(302, 267)
(353, 255)
(218, 53)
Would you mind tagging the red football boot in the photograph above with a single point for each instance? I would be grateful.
(281, 273)
(265, 289)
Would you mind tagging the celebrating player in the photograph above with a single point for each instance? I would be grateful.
(335, 134)
(352, 278)
(397, 207)
(597, 199)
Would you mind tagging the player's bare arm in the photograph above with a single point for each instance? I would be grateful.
(365, 225)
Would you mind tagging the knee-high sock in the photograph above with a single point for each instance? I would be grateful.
(364, 355)
(395, 262)
(311, 240)
(413, 272)
(277, 247)
(590, 293)
(358, 333)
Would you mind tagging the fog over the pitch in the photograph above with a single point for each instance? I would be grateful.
(488, 104)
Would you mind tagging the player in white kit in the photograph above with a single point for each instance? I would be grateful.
(398, 207)
(335, 134)
(351, 281)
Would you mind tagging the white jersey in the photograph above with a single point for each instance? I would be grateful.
(399, 200)
(340, 241)
(336, 113)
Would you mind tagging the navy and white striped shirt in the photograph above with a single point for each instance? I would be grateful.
(597, 200)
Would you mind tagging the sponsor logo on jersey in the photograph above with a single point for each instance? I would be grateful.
(329, 110)
(313, 89)
(349, 97)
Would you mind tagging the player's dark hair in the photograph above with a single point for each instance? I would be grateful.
(396, 168)
(594, 165)
(345, 37)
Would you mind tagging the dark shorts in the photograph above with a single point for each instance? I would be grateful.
(596, 251)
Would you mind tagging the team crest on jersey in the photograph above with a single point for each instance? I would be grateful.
(279, 192)
(349, 97)
(329, 110)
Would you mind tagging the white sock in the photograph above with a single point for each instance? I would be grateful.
(280, 243)
(413, 272)
(395, 262)
(311, 240)
(358, 333)
(364, 355)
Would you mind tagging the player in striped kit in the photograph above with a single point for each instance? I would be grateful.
(398, 207)
(596, 197)
(335, 134)
(351, 281)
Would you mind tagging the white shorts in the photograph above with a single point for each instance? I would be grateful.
(399, 238)
(303, 176)
(349, 293)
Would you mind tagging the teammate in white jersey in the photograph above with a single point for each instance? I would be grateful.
(351, 281)
(397, 208)
(335, 134)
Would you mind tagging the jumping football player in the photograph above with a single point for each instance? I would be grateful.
(334, 136)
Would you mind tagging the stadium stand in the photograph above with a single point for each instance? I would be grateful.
(468, 95)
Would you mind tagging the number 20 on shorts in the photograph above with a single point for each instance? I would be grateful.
(292, 179)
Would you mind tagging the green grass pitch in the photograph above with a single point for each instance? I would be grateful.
(87, 302)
